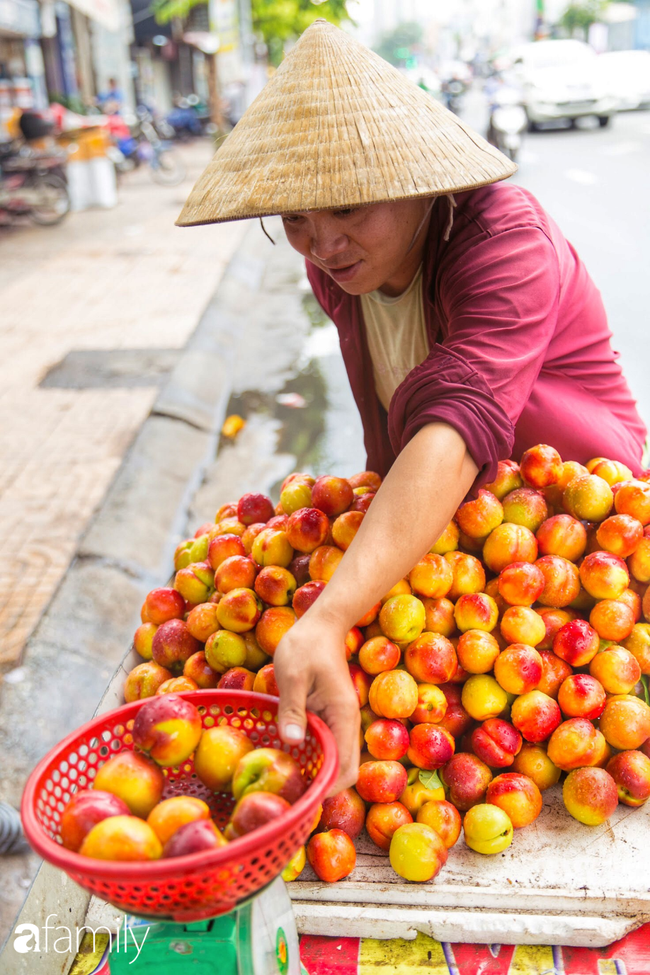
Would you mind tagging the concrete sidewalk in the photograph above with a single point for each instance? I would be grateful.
(122, 279)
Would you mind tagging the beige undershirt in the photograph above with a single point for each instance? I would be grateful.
(397, 336)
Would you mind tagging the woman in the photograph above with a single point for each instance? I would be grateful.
(469, 328)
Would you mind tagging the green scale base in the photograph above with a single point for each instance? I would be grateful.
(258, 938)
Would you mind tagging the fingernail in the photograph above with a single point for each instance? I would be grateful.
(294, 732)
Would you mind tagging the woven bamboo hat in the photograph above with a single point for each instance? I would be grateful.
(337, 126)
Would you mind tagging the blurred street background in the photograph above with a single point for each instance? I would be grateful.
(109, 110)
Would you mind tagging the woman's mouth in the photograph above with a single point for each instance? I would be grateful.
(344, 273)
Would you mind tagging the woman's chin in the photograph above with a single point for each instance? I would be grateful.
(361, 284)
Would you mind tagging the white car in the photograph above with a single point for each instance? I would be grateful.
(627, 75)
(561, 80)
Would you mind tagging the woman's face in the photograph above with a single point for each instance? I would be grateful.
(366, 248)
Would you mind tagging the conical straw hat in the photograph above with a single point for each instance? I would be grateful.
(337, 126)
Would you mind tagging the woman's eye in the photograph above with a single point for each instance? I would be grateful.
(345, 212)
(290, 218)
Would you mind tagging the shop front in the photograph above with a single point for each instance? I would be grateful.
(21, 64)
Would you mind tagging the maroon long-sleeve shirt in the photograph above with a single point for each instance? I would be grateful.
(519, 345)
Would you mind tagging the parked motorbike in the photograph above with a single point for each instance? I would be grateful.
(184, 122)
(508, 121)
(31, 185)
(37, 147)
(144, 145)
(164, 130)
(190, 117)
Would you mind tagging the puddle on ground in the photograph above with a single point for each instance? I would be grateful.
(314, 415)
(301, 428)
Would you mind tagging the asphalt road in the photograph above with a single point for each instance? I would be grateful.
(595, 184)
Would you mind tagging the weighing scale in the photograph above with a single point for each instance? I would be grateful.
(259, 937)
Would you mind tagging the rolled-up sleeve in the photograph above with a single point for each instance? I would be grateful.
(499, 301)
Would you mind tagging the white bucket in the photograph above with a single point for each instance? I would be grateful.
(103, 182)
(80, 184)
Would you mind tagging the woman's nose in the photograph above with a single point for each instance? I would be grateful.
(327, 242)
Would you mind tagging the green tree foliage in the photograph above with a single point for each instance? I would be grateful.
(398, 46)
(166, 10)
(279, 21)
(275, 21)
(581, 14)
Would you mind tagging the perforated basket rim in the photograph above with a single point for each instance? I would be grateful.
(173, 868)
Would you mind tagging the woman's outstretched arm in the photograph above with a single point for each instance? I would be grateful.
(415, 503)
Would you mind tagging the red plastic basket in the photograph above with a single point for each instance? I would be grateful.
(201, 885)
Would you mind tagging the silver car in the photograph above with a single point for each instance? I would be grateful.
(560, 80)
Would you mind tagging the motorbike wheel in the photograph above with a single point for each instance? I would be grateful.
(56, 201)
(167, 169)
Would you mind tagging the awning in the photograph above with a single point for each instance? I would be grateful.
(20, 18)
(105, 12)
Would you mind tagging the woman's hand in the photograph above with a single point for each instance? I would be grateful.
(311, 672)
